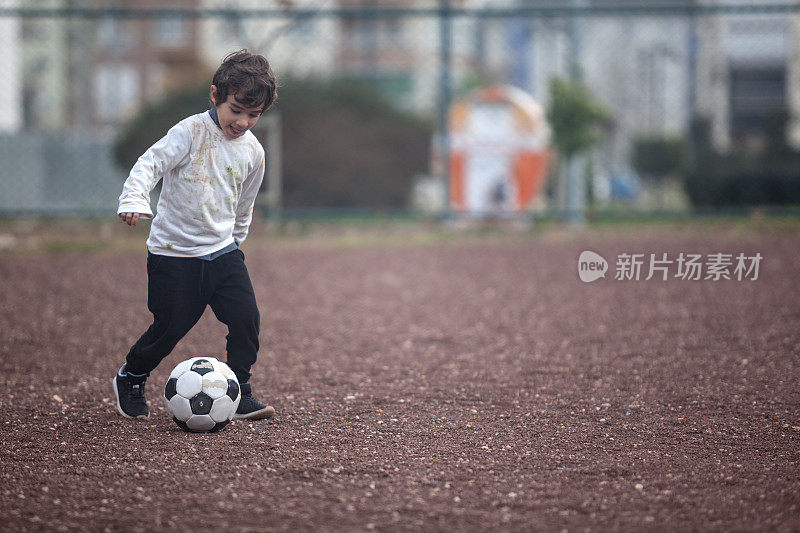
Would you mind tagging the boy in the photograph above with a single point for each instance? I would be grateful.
(211, 166)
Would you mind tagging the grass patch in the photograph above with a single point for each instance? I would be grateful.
(67, 247)
(360, 230)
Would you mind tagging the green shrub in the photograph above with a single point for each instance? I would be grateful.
(741, 179)
(155, 119)
(344, 144)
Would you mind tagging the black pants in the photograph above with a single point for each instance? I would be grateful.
(178, 291)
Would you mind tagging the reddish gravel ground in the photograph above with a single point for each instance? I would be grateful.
(461, 383)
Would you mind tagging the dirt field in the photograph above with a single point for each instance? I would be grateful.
(451, 383)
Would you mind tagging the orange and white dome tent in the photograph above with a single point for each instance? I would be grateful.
(499, 151)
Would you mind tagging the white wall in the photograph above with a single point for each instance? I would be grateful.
(10, 71)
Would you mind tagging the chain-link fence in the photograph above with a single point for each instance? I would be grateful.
(548, 106)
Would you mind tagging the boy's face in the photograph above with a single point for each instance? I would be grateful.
(234, 118)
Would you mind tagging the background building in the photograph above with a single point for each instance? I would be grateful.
(297, 36)
(84, 67)
(141, 59)
(747, 68)
(10, 59)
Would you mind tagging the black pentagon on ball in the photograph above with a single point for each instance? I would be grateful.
(233, 389)
(202, 366)
(201, 403)
(171, 389)
(182, 424)
(219, 425)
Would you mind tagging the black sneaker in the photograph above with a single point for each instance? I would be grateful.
(129, 390)
(251, 408)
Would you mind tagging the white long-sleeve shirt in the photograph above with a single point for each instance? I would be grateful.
(209, 187)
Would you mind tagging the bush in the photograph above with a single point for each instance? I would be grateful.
(740, 179)
(154, 120)
(344, 145)
(657, 157)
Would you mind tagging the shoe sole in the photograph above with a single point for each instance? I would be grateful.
(267, 412)
(119, 406)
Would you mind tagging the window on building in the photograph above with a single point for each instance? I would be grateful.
(115, 35)
(116, 92)
(171, 31)
(755, 93)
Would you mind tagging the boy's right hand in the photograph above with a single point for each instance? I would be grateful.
(129, 218)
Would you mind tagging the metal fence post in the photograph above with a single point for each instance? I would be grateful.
(445, 53)
(268, 131)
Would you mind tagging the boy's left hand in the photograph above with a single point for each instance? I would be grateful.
(130, 218)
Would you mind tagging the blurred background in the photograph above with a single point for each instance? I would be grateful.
(480, 109)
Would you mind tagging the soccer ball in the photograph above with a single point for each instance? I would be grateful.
(202, 394)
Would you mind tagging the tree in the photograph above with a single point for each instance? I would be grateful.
(576, 120)
(575, 117)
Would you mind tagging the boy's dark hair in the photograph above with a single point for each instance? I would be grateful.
(248, 77)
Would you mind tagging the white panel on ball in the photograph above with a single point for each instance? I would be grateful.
(224, 369)
(222, 409)
(180, 407)
(181, 368)
(200, 423)
(189, 384)
(215, 384)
